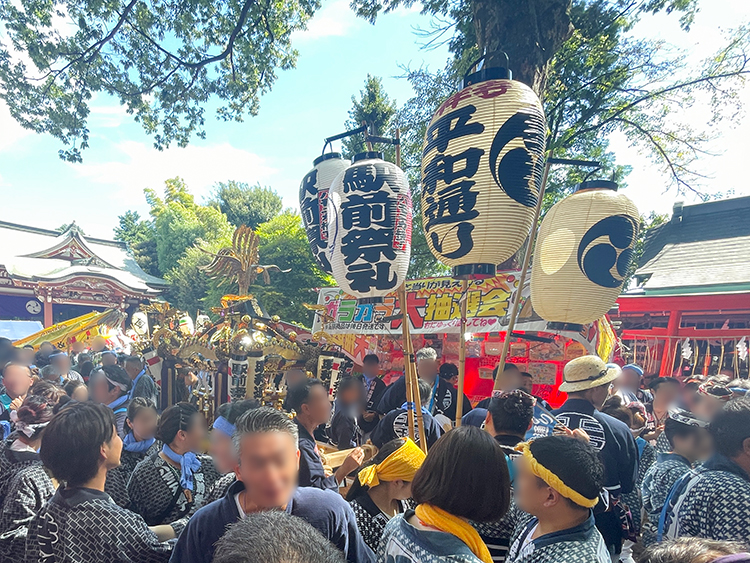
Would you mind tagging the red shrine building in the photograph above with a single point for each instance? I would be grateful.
(51, 276)
(691, 308)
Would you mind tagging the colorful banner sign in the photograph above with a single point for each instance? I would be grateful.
(434, 308)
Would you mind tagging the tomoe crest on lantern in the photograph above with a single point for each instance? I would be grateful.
(313, 203)
(369, 225)
(583, 252)
(482, 164)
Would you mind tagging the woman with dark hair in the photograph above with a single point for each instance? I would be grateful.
(221, 447)
(464, 477)
(138, 443)
(168, 486)
(382, 487)
(28, 486)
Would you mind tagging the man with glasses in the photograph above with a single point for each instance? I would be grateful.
(587, 380)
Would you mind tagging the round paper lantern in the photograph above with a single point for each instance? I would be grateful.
(369, 225)
(313, 203)
(482, 165)
(583, 251)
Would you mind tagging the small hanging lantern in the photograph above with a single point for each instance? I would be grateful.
(482, 165)
(369, 225)
(237, 368)
(313, 203)
(255, 380)
(583, 252)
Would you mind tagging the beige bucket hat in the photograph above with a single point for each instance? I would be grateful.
(587, 372)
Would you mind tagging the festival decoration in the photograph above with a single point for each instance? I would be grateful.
(369, 227)
(313, 203)
(482, 163)
(742, 349)
(687, 351)
(240, 262)
(83, 328)
(583, 252)
(139, 322)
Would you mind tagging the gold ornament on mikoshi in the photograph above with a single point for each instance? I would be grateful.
(482, 164)
(583, 252)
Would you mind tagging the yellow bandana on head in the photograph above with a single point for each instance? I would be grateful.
(445, 522)
(553, 480)
(401, 465)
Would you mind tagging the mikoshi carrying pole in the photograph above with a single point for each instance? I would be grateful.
(413, 396)
(522, 279)
(461, 354)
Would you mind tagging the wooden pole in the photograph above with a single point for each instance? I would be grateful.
(522, 280)
(413, 396)
(721, 358)
(462, 354)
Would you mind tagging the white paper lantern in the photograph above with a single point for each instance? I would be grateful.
(139, 322)
(583, 252)
(369, 225)
(313, 203)
(482, 164)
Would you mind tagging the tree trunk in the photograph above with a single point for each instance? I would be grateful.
(529, 31)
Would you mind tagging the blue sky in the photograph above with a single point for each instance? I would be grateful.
(308, 103)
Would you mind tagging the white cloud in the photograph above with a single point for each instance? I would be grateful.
(142, 166)
(12, 131)
(334, 20)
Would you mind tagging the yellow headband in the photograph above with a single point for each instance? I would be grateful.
(401, 465)
(553, 480)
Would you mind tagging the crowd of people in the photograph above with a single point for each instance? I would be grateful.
(651, 471)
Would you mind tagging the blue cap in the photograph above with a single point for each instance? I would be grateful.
(635, 368)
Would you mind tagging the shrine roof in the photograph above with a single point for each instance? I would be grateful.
(36, 254)
(703, 248)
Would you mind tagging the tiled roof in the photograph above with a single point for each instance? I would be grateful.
(39, 254)
(702, 245)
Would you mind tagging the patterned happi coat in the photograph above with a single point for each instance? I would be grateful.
(710, 502)
(156, 494)
(26, 493)
(85, 526)
(581, 544)
(657, 483)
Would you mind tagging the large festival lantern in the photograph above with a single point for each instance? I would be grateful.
(369, 227)
(583, 252)
(313, 203)
(482, 165)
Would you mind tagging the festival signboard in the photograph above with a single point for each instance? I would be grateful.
(433, 307)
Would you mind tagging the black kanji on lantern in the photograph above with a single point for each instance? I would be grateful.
(314, 216)
(454, 203)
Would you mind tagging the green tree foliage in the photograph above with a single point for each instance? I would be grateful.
(246, 205)
(179, 222)
(140, 235)
(283, 242)
(65, 226)
(162, 60)
(375, 108)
